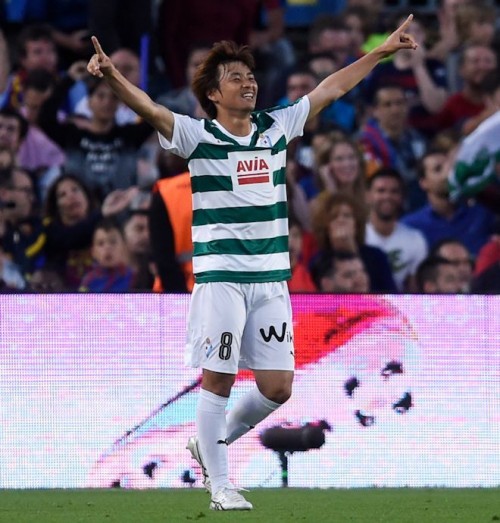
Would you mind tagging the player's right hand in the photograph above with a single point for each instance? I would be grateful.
(100, 64)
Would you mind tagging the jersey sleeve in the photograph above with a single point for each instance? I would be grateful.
(292, 118)
(186, 136)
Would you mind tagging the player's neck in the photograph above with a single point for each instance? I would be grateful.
(238, 124)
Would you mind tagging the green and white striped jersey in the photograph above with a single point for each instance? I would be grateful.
(477, 160)
(240, 224)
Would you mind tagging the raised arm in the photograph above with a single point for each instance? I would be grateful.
(157, 115)
(340, 82)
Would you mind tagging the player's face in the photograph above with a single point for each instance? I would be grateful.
(237, 88)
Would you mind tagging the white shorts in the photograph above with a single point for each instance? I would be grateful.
(240, 325)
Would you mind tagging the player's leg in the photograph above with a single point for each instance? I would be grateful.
(267, 348)
(216, 323)
(273, 389)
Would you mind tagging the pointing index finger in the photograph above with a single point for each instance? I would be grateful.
(406, 23)
(97, 46)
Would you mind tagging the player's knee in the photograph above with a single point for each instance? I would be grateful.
(279, 393)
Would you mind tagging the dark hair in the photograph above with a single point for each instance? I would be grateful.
(428, 270)
(10, 112)
(385, 85)
(51, 209)
(32, 33)
(385, 172)
(107, 224)
(449, 241)
(432, 151)
(325, 265)
(92, 83)
(207, 76)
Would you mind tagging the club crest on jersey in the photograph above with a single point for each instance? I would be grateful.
(253, 170)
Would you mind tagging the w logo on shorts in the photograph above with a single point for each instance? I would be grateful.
(272, 332)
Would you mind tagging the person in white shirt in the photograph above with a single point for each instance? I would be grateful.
(405, 246)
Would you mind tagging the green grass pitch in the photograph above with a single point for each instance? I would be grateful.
(405, 505)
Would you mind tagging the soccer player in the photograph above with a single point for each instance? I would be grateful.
(240, 315)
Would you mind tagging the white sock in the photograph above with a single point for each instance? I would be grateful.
(249, 410)
(211, 428)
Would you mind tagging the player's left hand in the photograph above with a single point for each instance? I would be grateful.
(399, 39)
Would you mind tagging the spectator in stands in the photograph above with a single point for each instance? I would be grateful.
(36, 49)
(46, 280)
(111, 271)
(23, 238)
(170, 221)
(103, 154)
(461, 108)
(339, 224)
(341, 168)
(343, 273)
(340, 115)
(136, 234)
(182, 99)
(70, 217)
(388, 140)
(127, 62)
(475, 25)
(10, 276)
(436, 275)
(457, 254)
(405, 247)
(301, 280)
(330, 34)
(32, 149)
(422, 79)
(358, 22)
(441, 218)
(447, 40)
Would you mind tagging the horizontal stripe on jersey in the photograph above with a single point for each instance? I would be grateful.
(260, 230)
(233, 246)
(234, 262)
(243, 277)
(237, 215)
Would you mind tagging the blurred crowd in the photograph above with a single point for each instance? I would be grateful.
(395, 188)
